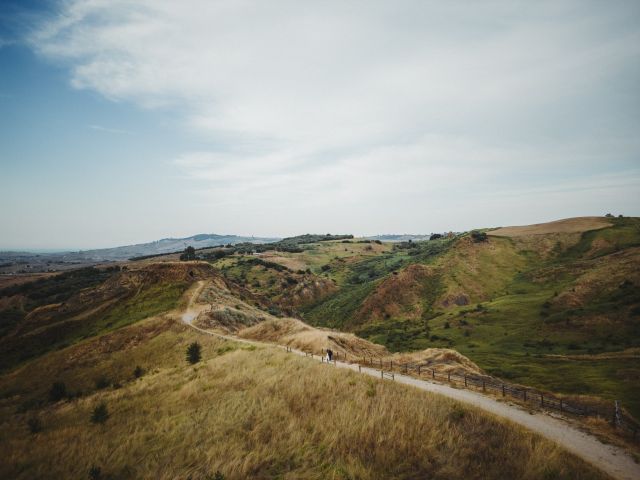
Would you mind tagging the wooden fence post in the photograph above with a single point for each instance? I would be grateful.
(560, 404)
(360, 368)
(381, 374)
(418, 370)
(541, 400)
(449, 377)
(433, 374)
(391, 367)
(503, 394)
(525, 394)
(484, 389)
(465, 380)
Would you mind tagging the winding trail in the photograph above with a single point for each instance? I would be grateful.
(610, 459)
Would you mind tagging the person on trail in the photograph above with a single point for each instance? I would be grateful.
(329, 354)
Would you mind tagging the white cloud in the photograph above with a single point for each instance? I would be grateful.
(118, 131)
(368, 103)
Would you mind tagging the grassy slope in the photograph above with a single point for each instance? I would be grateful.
(147, 302)
(249, 413)
(360, 276)
(515, 333)
(521, 319)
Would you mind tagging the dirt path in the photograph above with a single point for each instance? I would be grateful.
(610, 459)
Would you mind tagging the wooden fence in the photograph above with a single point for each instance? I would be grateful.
(616, 416)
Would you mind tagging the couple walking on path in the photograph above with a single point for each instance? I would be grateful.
(329, 355)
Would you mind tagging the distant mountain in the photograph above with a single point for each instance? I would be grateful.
(166, 245)
(29, 262)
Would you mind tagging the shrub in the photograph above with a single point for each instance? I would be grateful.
(102, 382)
(478, 236)
(193, 353)
(435, 236)
(216, 476)
(100, 414)
(58, 391)
(447, 325)
(95, 473)
(34, 424)
(138, 371)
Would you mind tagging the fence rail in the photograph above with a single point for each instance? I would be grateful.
(616, 416)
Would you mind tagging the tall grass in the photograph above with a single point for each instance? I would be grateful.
(251, 413)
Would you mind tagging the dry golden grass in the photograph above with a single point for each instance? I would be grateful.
(568, 225)
(299, 335)
(442, 359)
(252, 413)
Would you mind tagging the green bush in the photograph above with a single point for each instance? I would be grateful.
(100, 414)
(57, 392)
(95, 473)
(193, 353)
(34, 424)
(102, 382)
(479, 236)
(138, 371)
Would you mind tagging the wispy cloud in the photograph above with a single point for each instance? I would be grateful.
(117, 131)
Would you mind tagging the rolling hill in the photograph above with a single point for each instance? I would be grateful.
(241, 412)
(553, 306)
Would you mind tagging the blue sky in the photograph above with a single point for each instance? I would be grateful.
(124, 122)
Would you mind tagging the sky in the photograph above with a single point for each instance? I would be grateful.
(128, 121)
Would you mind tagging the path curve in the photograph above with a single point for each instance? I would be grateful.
(608, 458)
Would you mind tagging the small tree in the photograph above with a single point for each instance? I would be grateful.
(189, 254)
(58, 391)
(95, 473)
(100, 413)
(138, 371)
(193, 353)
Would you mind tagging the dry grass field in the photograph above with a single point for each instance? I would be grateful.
(569, 225)
(248, 413)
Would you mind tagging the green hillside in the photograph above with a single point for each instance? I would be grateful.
(536, 309)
